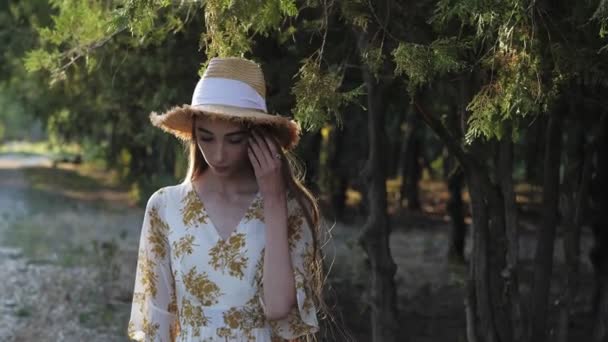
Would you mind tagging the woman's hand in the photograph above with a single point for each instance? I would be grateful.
(267, 167)
(279, 294)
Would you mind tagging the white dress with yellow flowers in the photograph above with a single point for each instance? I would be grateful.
(191, 285)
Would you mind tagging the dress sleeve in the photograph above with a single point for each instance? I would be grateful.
(153, 310)
(302, 319)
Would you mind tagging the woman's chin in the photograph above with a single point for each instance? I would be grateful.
(222, 172)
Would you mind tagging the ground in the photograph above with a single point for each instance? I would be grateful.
(68, 252)
(60, 255)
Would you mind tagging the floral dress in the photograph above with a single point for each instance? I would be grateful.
(192, 285)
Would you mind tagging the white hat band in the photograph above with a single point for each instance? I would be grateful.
(226, 91)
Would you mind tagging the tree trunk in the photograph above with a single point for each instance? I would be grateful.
(487, 307)
(338, 178)
(375, 235)
(455, 209)
(113, 150)
(533, 149)
(543, 264)
(454, 174)
(479, 272)
(575, 185)
(499, 273)
(405, 138)
(410, 167)
(599, 252)
(309, 150)
(511, 276)
(600, 326)
(488, 262)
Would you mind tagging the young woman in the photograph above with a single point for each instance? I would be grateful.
(233, 252)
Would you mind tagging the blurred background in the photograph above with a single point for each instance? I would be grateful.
(455, 148)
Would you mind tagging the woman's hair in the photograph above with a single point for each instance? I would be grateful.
(293, 174)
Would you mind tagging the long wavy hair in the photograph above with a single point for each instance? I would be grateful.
(293, 174)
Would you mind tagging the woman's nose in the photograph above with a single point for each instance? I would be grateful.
(219, 153)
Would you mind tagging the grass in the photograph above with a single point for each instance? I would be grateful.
(67, 239)
(75, 183)
(69, 213)
(41, 148)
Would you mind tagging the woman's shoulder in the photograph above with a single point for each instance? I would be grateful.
(166, 193)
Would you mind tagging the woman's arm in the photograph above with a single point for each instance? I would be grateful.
(278, 276)
(279, 294)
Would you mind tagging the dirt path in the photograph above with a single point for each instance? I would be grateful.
(40, 299)
(13, 269)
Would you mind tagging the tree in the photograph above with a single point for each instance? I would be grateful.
(497, 66)
(109, 81)
(514, 70)
(23, 96)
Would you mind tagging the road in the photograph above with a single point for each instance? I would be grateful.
(40, 300)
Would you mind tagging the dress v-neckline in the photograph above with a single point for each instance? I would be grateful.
(213, 227)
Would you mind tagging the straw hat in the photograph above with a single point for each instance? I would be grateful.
(231, 88)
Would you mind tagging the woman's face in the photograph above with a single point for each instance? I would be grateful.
(223, 145)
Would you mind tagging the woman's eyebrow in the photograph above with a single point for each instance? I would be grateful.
(227, 134)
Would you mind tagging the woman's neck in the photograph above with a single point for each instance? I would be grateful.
(242, 182)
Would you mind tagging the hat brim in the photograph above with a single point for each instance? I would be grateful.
(178, 121)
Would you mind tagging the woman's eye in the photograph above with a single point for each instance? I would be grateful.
(232, 141)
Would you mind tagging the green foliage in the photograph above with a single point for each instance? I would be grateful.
(79, 23)
(601, 15)
(504, 35)
(373, 57)
(145, 20)
(24, 98)
(230, 25)
(497, 41)
(81, 27)
(13, 119)
(421, 63)
(58, 125)
(40, 59)
(515, 93)
(229, 29)
(485, 17)
(522, 56)
(318, 96)
(114, 70)
(355, 13)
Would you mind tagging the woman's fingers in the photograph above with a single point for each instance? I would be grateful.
(256, 150)
(270, 142)
(261, 149)
(253, 158)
